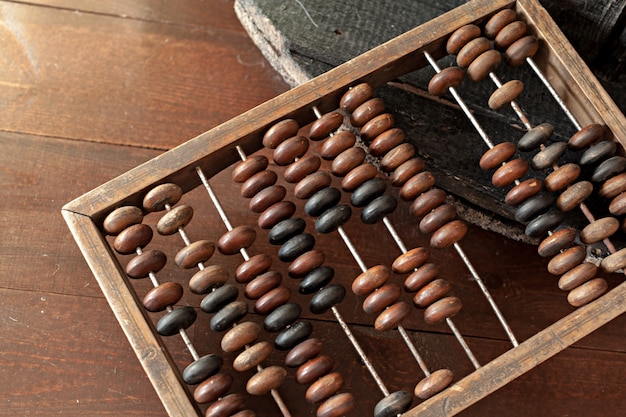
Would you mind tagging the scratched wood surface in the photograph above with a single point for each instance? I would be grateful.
(89, 90)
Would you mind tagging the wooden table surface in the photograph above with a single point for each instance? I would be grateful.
(90, 89)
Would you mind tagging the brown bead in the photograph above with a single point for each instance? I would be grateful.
(556, 242)
(358, 176)
(337, 143)
(383, 297)
(431, 292)
(449, 234)
(301, 168)
(613, 186)
(617, 206)
(407, 170)
(244, 413)
(386, 141)
(427, 202)
(314, 368)
(271, 300)
(461, 37)
(195, 253)
(376, 126)
(567, 260)
(505, 94)
(161, 196)
(562, 177)
(471, 50)
(614, 261)
(586, 136)
(166, 294)
(122, 218)
(249, 167)
(422, 276)
(205, 280)
(252, 356)
(240, 335)
(325, 125)
(356, 96)
(276, 213)
(324, 387)
(337, 405)
(236, 239)
(522, 191)
(599, 230)
(133, 237)
(577, 276)
(443, 309)
(497, 155)
(266, 198)
(416, 185)
(279, 132)
(258, 182)
(312, 184)
(290, 150)
(367, 111)
(574, 195)
(305, 263)
(445, 79)
(433, 384)
(392, 317)
(347, 160)
(303, 351)
(410, 260)
(256, 265)
(487, 62)
(397, 156)
(498, 21)
(509, 34)
(371, 279)
(262, 284)
(509, 172)
(525, 47)
(149, 261)
(437, 218)
(212, 388)
(226, 406)
(587, 292)
(174, 219)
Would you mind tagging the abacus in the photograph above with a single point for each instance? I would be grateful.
(329, 134)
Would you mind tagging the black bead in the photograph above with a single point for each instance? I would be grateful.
(533, 207)
(542, 224)
(326, 298)
(294, 334)
(609, 168)
(331, 219)
(549, 155)
(295, 247)
(218, 298)
(598, 152)
(322, 200)
(393, 404)
(378, 208)
(535, 137)
(228, 316)
(179, 318)
(200, 369)
(282, 317)
(316, 279)
(285, 229)
(368, 191)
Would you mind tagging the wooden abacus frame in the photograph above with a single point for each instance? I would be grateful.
(213, 151)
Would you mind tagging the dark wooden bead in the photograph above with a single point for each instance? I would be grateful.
(599, 230)
(422, 276)
(290, 150)
(175, 320)
(485, 63)
(381, 298)
(407, 170)
(368, 191)
(427, 202)
(149, 261)
(252, 356)
(393, 404)
(535, 137)
(613, 187)
(239, 336)
(236, 239)
(498, 21)
(276, 213)
(336, 144)
(174, 219)
(586, 136)
(445, 79)
(266, 380)
(533, 207)
(279, 132)
(410, 260)
(617, 206)
(358, 176)
(522, 191)
(556, 242)
(265, 198)
(542, 224)
(256, 265)
(577, 276)
(316, 279)
(195, 253)
(337, 406)
(461, 37)
(259, 181)
(298, 170)
(133, 237)
(437, 218)
(327, 298)
(587, 292)
(206, 279)
(122, 218)
(282, 317)
(509, 172)
(226, 406)
(312, 183)
(272, 300)
(509, 34)
(609, 168)
(228, 315)
(376, 126)
(397, 156)
(574, 195)
(220, 297)
(161, 196)
(347, 160)
(378, 208)
(163, 295)
(295, 247)
(202, 368)
(293, 335)
(325, 125)
(282, 231)
(244, 413)
(562, 177)
(416, 185)
(505, 94)
(356, 96)
(470, 51)
(433, 384)
(367, 111)
(262, 284)
(449, 234)
(525, 47)
(322, 200)
(304, 351)
(371, 279)
(497, 155)
(549, 156)
(431, 292)
(386, 141)
(392, 316)
(213, 388)
(614, 262)
(598, 152)
(305, 263)
(324, 387)
(566, 260)
(314, 368)
(443, 309)
(249, 167)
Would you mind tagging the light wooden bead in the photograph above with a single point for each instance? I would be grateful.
(380, 299)
(422, 276)
(397, 156)
(314, 368)
(205, 280)
(449, 234)
(238, 238)
(290, 150)
(525, 47)
(509, 172)
(367, 111)
(305, 263)
(174, 219)
(437, 218)
(239, 336)
(272, 300)
(443, 309)
(249, 167)
(325, 125)
(599, 230)
(356, 96)
(357, 176)
(577, 276)
(213, 388)
(562, 177)
(617, 206)
(523, 191)
(567, 260)
(336, 406)
(371, 279)
(195, 253)
(470, 51)
(303, 352)
(556, 242)
(410, 260)
(433, 384)
(613, 186)
(509, 34)
(252, 356)
(386, 141)
(226, 406)
(505, 94)
(407, 170)
(336, 144)
(487, 62)
(324, 387)
(347, 160)
(497, 155)
(417, 184)
(376, 126)
(266, 380)
(262, 284)
(427, 202)
(431, 292)
(312, 184)
(461, 37)
(614, 261)
(161, 196)
(258, 182)
(298, 170)
(122, 218)
(133, 237)
(587, 292)
(162, 296)
(392, 317)
(498, 21)
(574, 195)
(444, 79)
(279, 132)
(586, 136)
(256, 265)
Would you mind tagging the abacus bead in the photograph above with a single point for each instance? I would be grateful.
(276, 213)
(549, 155)
(295, 247)
(258, 182)
(393, 404)
(314, 368)
(433, 384)
(298, 170)
(542, 224)
(525, 47)
(407, 170)
(556, 242)
(442, 81)
(358, 176)
(574, 195)
(337, 405)
(285, 229)
(498, 21)
(239, 336)
(587, 292)
(533, 207)
(293, 335)
(174, 219)
(322, 200)
(487, 62)
(282, 130)
(509, 34)
(577, 276)
(149, 261)
(175, 320)
(324, 387)
(263, 283)
(195, 253)
(431, 292)
(376, 126)
(386, 141)
(163, 295)
(325, 125)
(254, 266)
(609, 168)
(442, 309)
(509, 172)
(471, 50)
(421, 277)
(599, 229)
(230, 314)
(347, 160)
(327, 298)
(266, 198)
(586, 136)
(236, 239)
(252, 356)
(378, 208)
(367, 111)
(460, 37)
(212, 388)
(410, 260)
(617, 207)
(613, 186)
(244, 413)
(305, 263)
(562, 177)
(272, 300)
(312, 183)
(391, 317)
(614, 261)
(303, 352)
(133, 237)
(535, 137)
(266, 380)
(449, 234)
(202, 368)
(356, 96)
(497, 155)
(416, 185)
(368, 191)
(522, 191)
(371, 279)
(437, 218)
(598, 152)
(226, 406)
(383, 297)
(336, 144)
(397, 156)
(122, 218)
(505, 94)
(220, 297)
(249, 167)
(290, 150)
(567, 260)
(316, 279)
(162, 195)
(282, 317)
